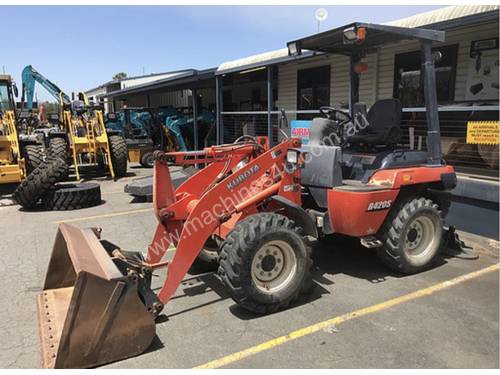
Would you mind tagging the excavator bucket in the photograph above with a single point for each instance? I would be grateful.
(91, 310)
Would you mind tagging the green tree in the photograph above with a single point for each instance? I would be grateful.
(119, 76)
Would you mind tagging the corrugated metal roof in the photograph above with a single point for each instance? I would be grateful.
(255, 61)
(443, 14)
(266, 56)
(186, 76)
(159, 75)
(419, 20)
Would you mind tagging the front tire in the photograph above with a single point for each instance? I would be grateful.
(58, 148)
(119, 155)
(265, 263)
(412, 236)
(33, 156)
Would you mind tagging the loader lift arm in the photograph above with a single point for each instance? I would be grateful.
(212, 201)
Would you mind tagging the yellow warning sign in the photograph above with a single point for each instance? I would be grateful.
(482, 132)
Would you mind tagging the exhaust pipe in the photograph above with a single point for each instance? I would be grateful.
(94, 307)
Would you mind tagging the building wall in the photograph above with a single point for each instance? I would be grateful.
(170, 98)
(93, 94)
(377, 83)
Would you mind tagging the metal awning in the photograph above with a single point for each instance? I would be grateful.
(333, 41)
(276, 57)
(187, 80)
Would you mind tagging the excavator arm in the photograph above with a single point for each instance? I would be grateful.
(29, 77)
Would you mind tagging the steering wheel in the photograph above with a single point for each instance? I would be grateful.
(342, 118)
(332, 113)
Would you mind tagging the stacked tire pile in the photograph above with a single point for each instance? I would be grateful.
(43, 187)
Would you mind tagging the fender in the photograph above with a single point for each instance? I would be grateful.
(298, 214)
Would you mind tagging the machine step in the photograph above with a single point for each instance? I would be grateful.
(370, 242)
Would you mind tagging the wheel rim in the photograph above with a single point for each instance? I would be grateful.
(273, 266)
(420, 237)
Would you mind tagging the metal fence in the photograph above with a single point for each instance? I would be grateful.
(473, 159)
(236, 124)
(467, 158)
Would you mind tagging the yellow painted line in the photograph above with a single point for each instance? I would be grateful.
(343, 318)
(122, 213)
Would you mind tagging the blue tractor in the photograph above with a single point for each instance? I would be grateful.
(139, 128)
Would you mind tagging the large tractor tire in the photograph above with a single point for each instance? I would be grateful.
(412, 236)
(58, 147)
(265, 263)
(119, 155)
(33, 157)
(46, 175)
(72, 196)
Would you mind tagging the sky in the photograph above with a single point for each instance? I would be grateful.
(80, 47)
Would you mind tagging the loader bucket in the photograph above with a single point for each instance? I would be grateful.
(89, 312)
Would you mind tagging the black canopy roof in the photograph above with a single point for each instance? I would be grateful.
(332, 41)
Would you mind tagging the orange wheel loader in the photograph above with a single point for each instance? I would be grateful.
(256, 205)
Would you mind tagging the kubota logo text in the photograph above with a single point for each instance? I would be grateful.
(242, 177)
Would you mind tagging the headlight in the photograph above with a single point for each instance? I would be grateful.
(292, 156)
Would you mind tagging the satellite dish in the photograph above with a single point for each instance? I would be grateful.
(321, 14)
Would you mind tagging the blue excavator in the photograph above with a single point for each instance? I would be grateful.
(30, 76)
(182, 126)
(137, 125)
(141, 128)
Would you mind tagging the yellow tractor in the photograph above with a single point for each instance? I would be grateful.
(84, 139)
(17, 157)
(81, 136)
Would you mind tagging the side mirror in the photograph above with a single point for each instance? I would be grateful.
(15, 90)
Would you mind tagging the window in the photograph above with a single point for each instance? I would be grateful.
(5, 99)
(313, 88)
(408, 82)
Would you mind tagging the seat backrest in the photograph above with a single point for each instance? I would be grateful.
(385, 114)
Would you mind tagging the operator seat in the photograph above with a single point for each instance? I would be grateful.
(383, 127)
(78, 107)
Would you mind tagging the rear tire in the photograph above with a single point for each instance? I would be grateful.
(33, 187)
(33, 157)
(265, 263)
(412, 236)
(148, 160)
(208, 258)
(72, 196)
(58, 147)
(119, 155)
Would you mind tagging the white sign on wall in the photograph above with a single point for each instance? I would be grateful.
(482, 78)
